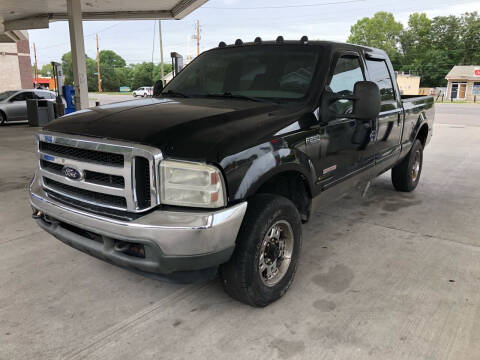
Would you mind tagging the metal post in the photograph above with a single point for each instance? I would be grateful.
(36, 65)
(162, 74)
(198, 37)
(99, 76)
(74, 10)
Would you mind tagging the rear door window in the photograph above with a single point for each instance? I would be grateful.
(379, 74)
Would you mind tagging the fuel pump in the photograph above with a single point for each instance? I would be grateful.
(58, 79)
(177, 62)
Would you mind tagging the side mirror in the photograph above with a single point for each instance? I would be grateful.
(366, 101)
(157, 88)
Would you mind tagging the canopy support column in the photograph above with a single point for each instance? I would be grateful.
(74, 10)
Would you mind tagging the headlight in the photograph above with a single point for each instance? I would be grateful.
(191, 184)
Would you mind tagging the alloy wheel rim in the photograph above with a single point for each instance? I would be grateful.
(416, 166)
(276, 253)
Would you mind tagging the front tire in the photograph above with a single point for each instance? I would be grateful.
(3, 118)
(264, 262)
(406, 174)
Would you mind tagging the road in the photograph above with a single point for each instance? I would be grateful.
(458, 114)
(107, 98)
(389, 276)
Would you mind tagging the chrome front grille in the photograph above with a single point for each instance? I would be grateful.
(112, 174)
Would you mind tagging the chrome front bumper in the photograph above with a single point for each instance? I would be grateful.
(169, 235)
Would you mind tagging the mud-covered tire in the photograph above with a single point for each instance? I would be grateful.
(406, 174)
(268, 218)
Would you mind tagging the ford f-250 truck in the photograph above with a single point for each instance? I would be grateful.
(220, 168)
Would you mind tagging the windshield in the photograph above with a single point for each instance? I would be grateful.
(268, 72)
(5, 95)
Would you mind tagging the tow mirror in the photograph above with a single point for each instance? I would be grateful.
(366, 102)
(157, 88)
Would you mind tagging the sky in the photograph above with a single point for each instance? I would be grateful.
(228, 20)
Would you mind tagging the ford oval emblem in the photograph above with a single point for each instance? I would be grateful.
(71, 173)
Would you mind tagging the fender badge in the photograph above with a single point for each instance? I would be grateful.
(329, 169)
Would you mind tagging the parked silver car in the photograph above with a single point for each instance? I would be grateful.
(13, 104)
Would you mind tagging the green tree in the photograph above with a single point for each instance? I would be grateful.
(92, 81)
(444, 53)
(167, 68)
(380, 31)
(142, 75)
(416, 39)
(45, 70)
(67, 68)
(470, 30)
(111, 65)
(68, 71)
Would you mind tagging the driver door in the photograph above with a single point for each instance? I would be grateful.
(17, 107)
(347, 146)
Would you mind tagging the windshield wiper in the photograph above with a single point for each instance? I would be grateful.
(174, 93)
(236, 96)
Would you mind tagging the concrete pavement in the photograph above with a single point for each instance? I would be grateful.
(390, 276)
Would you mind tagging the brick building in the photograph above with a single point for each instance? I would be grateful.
(15, 65)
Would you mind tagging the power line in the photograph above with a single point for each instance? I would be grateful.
(85, 36)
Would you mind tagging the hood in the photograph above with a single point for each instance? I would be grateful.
(190, 128)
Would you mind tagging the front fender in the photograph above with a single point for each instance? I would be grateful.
(248, 170)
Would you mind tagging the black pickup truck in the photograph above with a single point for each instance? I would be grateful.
(220, 168)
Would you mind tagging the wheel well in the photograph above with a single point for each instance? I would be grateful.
(422, 134)
(292, 185)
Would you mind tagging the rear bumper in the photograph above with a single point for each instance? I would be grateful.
(172, 240)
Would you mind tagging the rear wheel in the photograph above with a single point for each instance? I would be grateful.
(264, 262)
(406, 174)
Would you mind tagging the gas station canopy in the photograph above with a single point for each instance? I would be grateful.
(17, 15)
(36, 14)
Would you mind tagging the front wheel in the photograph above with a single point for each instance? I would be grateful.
(3, 118)
(406, 174)
(264, 262)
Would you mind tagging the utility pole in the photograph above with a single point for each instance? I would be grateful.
(36, 64)
(162, 74)
(198, 37)
(99, 78)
